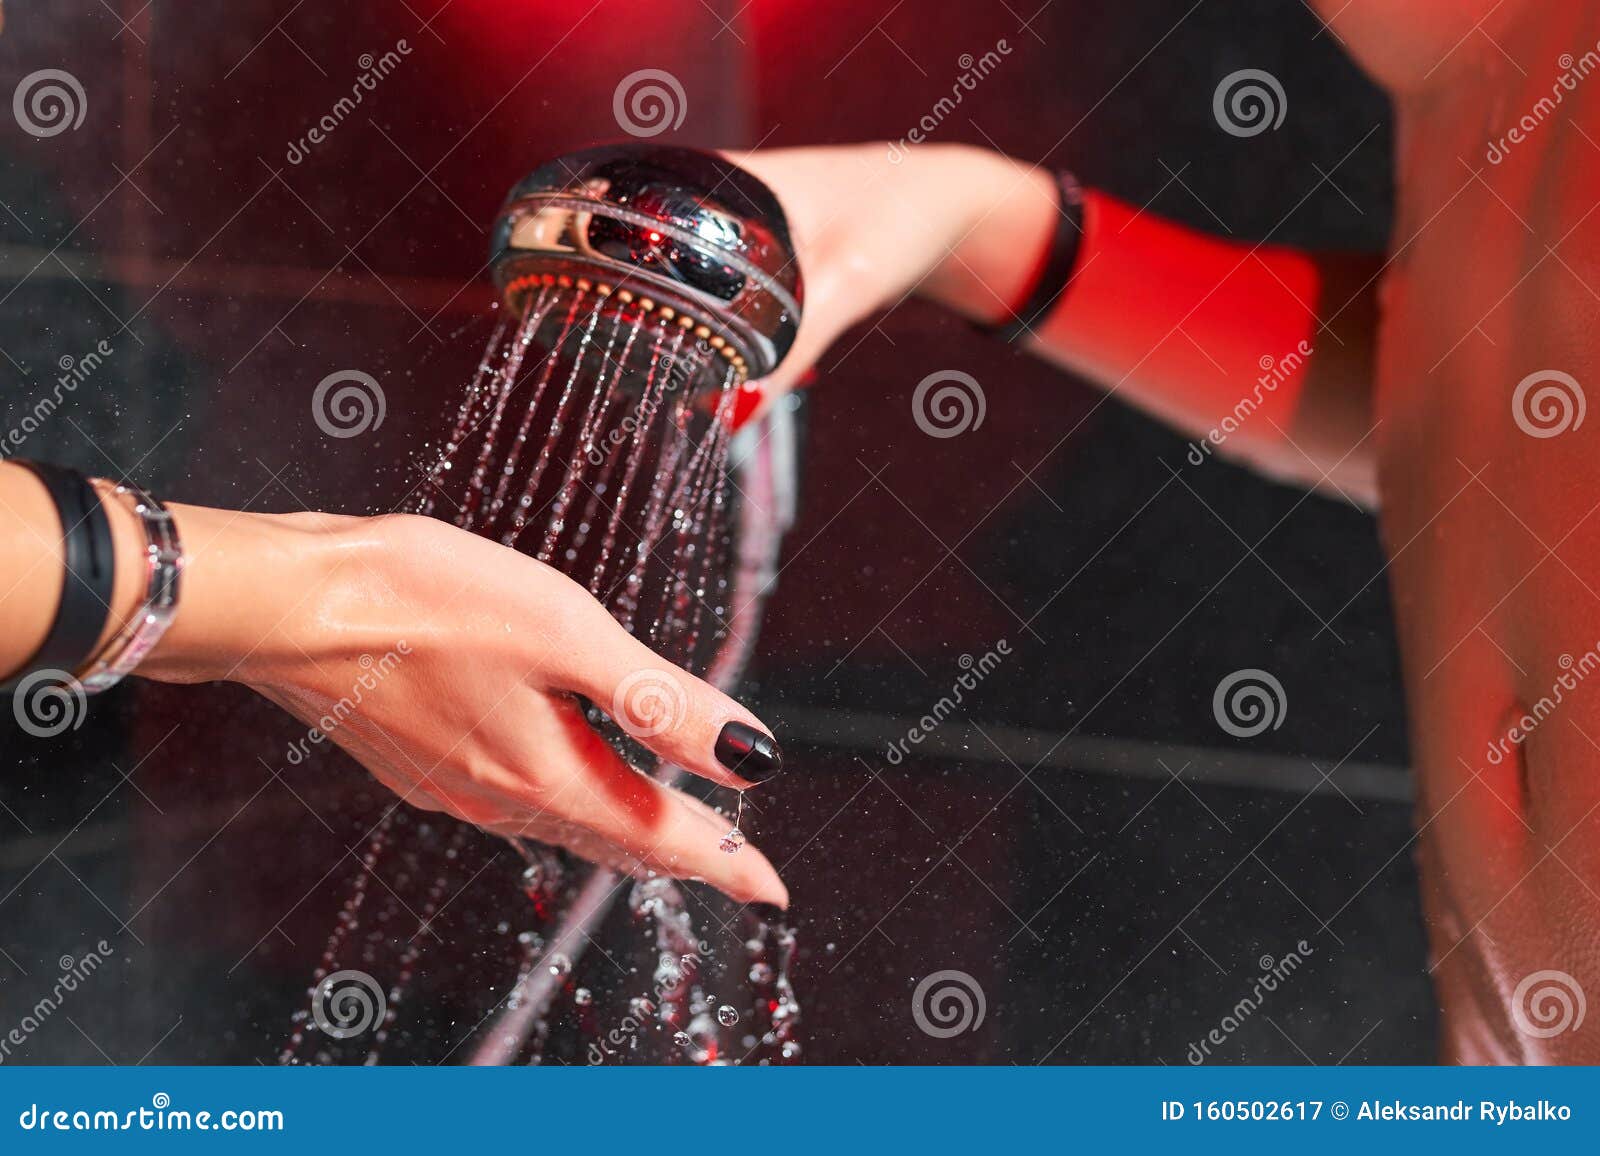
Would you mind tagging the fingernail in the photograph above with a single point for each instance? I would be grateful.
(748, 753)
(746, 400)
(767, 912)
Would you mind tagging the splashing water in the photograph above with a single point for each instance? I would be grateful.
(595, 437)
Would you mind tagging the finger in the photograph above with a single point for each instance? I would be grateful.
(817, 333)
(604, 810)
(685, 720)
(755, 398)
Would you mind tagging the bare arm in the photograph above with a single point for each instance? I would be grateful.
(1259, 353)
(1404, 46)
(1170, 319)
(447, 664)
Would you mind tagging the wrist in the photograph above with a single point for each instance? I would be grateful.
(1009, 213)
(247, 580)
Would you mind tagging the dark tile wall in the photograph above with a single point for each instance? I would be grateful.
(1113, 901)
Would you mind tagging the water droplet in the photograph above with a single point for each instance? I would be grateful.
(681, 1039)
(726, 1016)
(732, 841)
(583, 997)
(560, 964)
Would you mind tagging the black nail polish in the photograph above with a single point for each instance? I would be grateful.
(748, 753)
(769, 914)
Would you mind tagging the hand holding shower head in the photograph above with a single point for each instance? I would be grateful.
(683, 234)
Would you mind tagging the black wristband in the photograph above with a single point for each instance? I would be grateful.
(1059, 264)
(88, 576)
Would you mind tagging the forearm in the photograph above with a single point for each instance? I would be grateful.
(1259, 353)
(449, 665)
(244, 575)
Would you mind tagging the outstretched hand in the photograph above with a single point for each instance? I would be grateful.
(448, 664)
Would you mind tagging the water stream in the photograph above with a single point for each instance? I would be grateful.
(594, 436)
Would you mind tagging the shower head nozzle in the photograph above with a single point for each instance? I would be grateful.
(681, 233)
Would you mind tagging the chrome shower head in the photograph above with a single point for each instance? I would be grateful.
(682, 234)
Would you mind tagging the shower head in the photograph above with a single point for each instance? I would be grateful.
(681, 234)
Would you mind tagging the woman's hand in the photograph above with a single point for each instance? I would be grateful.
(873, 223)
(448, 665)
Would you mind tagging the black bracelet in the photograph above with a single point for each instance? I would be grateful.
(1059, 264)
(87, 579)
